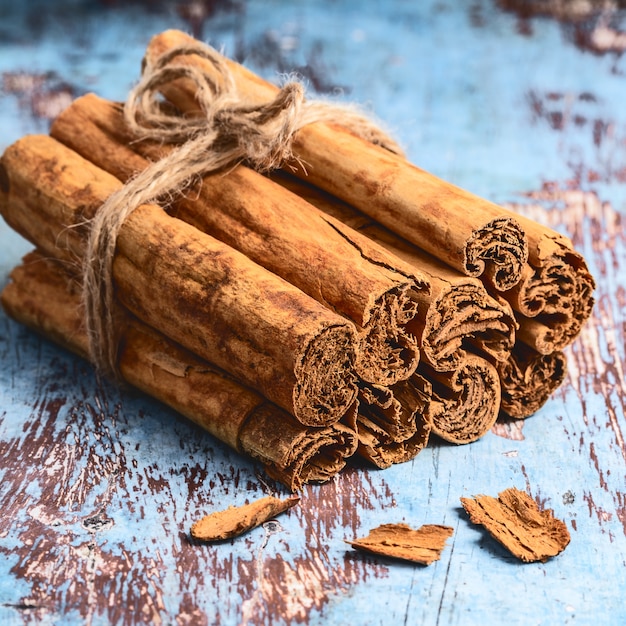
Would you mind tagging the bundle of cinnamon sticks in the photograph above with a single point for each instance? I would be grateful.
(345, 302)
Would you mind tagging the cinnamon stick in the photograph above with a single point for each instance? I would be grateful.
(456, 316)
(528, 379)
(555, 291)
(393, 424)
(191, 287)
(278, 230)
(42, 296)
(466, 402)
(472, 235)
(459, 327)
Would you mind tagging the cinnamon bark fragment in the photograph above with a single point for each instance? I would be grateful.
(400, 541)
(431, 213)
(42, 296)
(528, 380)
(235, 521)
(278, 230)
(191, 287)
(516, 521)
(466, 402)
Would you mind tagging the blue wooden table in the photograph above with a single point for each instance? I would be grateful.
(521, 102)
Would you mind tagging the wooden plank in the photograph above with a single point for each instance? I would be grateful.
(99, 485)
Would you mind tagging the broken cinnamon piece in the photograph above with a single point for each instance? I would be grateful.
(515, 520)
(278, 230)
(528, 379)
(237, 520)
(44, 297)
(400, 541)
(473, 235)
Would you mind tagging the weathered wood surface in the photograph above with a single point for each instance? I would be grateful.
(521, 102)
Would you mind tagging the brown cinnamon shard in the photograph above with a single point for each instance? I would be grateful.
(516, 521)
(235, 521)
(528, 379)
(400, 541)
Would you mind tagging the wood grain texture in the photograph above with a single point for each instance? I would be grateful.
(99, 485)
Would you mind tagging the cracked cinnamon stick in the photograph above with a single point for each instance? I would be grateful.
(456, 316)
(472, 235)
(42, 296)
(400, 541)
(466, 402)
(515, 520)
(278, 230)
(459, 327)
(194, 289)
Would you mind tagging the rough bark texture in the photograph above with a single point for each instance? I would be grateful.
(393, 424)
(528, 380)
(400, 541)
(43, 297)
(191, 287)
(484, 241)
(466, 401)
(280, 231)
(516, 521)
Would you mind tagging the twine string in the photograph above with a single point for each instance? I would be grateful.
(227, 133)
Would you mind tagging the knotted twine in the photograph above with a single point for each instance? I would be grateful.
(227, 133)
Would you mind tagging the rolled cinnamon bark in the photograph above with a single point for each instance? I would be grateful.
(279, 231)
(528, 380)
(472, 235)
(555, 291)
(191, 287)
(393, 424)
(42, 296)
(455, 316)
(458, 316)
(466, 401)
(458, 323)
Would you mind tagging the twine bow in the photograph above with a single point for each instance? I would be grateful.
(226, 134)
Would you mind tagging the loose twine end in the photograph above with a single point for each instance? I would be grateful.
(227, 133)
